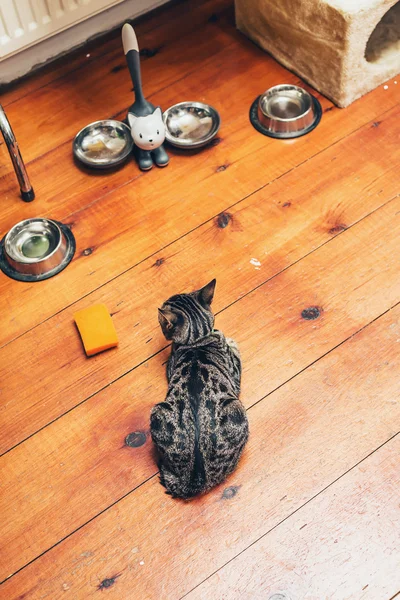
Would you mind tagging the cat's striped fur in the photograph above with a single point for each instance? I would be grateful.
(201, 427)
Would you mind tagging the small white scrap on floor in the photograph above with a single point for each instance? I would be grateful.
(141, 563)
(385, 87)
(255, 262)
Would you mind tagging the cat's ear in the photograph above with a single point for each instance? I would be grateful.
(132, 119)
(206, 294)
(167, 318)
(157, 113)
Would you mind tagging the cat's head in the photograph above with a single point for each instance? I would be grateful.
(186, 318)
(147, 132)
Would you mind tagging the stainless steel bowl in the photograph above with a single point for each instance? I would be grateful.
(36, 249)
(191, 124)
(103, 144)
(286, 111)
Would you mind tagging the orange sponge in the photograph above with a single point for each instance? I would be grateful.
(96, 328)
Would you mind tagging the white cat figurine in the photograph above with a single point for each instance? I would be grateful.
(145, 120)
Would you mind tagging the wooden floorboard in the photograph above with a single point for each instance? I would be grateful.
(66, 467)
(283, 226)
(151, 28)
(72, 99)
(87, 89)
(300, 444)
(351, 530)
(278, 225)
(127, 224)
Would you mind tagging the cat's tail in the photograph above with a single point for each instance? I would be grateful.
(131, 50)
(179, 488)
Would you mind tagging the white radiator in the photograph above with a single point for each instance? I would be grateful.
(26, 22)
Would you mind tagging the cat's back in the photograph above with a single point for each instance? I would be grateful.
(202, 419)
(210, 366)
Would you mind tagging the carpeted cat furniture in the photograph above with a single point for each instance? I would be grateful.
(343, 48)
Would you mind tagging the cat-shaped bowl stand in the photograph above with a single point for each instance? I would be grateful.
(145, 120)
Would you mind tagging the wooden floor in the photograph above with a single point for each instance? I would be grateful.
(313, 510)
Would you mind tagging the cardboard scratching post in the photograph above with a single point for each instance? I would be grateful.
(343, 48)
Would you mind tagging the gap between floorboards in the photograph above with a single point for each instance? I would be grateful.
(216, 314)
(230, 207)
(293, 513)
(249, 408)
(156, 12)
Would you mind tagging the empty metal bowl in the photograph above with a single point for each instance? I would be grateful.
(103, 144)
(36, 249)
(191, 124)
(285, 111)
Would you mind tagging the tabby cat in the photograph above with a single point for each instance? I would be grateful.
(201, 427)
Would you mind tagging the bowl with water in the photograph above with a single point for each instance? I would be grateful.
(36, 249)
